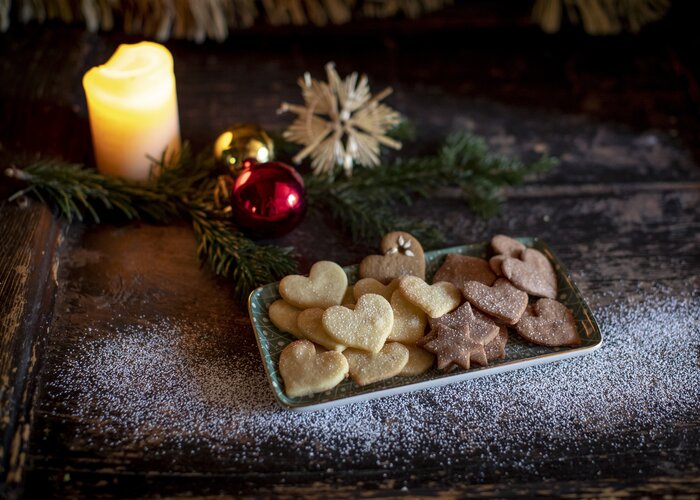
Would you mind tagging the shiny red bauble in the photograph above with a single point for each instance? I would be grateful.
(268, 199)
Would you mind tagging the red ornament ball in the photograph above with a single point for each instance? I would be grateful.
(268, 199)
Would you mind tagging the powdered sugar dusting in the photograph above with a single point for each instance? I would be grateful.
(161, 382)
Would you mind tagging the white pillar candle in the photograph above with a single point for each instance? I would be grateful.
(133, 110)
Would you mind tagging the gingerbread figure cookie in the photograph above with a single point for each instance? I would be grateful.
(402, 256)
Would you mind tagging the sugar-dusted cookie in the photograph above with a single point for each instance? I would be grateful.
(349, 297)
(532, 273)
(436, 300)
(549, 323)
(311, 328)
(304, 371)
(409, 320)
(419, 361)
(455, 347)
(402, 256)
(366, 327)
(505, 245)
(459, 269)
(502, 300)
(367, 368)
(325, 286)
(496, 349)
(495, 264)
(284, 317)
(481, 328)
(370, 285)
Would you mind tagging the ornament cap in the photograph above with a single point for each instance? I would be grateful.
(241, 144)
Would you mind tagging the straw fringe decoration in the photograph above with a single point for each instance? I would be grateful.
(599, 17)
(202, 19)
(340, 123)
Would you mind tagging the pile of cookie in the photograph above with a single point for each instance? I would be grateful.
(392, 323)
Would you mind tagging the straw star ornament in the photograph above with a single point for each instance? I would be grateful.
(340, 123)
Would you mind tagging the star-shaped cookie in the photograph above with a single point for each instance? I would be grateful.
(454, 347)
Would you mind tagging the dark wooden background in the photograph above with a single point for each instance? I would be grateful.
(622, 211)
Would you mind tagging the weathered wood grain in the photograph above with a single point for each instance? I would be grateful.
(28, 245)
(622, 212)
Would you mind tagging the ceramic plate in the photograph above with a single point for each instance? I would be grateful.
(519, 353)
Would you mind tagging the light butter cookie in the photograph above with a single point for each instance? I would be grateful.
(304, 371)
(436, 300)
(325, 286)
(309, 323)
(366, 327)
(284, 317)
(419, 361)
(409, 320)
(367, 368)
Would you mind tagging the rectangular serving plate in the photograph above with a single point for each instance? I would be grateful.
(519, 353)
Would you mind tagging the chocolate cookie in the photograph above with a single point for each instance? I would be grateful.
(532, 273)
(502, 300)
(459, 269)
(549, 323)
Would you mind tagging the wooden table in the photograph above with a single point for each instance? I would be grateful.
(621, 211)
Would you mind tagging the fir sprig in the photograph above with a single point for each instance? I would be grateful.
(365, 203)
(182, 191)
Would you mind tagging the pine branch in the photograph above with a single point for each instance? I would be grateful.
(365, 203)
(183, 191)
(229, 253)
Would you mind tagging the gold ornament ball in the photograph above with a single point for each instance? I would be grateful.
(243, 142)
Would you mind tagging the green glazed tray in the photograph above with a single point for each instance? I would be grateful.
(519, 353)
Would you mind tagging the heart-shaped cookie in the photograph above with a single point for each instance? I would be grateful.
(549, 323)
(455, 347)
(496, 349)
(305, 371)
(370, 285)
(481, 328)
(349, 297)
(502, 300)
(459, 269)
(367, 368)
(366, 327)
(436, 300)
(284, 317)
(505, 245)
(402, 256)
(419, 361)
(310, 326)
(532, 273)
(409, 320)
(325, 286)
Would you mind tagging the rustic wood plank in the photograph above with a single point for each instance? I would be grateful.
(113, 277)
(27, 281)
(621, 212)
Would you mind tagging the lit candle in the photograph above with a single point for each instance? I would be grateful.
(133, 110)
